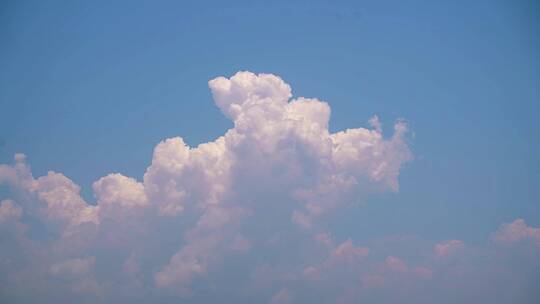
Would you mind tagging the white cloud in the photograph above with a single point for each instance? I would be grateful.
(60, 198)
(116, 189)
(119, 197)
(317, 169)
(201, 248)
(242, 216)
(63, 199)
(279, 164)
(238, 216)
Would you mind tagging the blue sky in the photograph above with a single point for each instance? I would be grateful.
(88, 89)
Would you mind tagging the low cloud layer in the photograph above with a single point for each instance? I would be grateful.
(242, 218)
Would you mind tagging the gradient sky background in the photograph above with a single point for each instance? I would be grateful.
(90, 88)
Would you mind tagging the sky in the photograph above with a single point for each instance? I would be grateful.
(269, 152)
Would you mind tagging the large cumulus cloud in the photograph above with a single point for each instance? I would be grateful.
(250, 205)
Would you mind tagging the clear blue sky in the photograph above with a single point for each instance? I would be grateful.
(88, 88)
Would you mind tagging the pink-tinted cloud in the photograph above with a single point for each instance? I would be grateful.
(284, 296)
(448, 248)
(517, 231)
(9, 211)
(257, 194)
(348, 253)
(395, 264)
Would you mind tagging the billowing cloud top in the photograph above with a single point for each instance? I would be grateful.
(260, 191)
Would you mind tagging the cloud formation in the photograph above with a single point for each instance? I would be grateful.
(516, 232)
(448, 248)
(251, 204)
